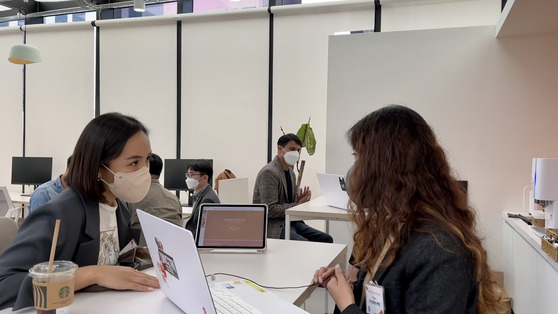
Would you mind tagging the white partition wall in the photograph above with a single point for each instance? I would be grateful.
(225, 90)
(11, 105)
(138, 76)
(491, 102)
(59, 90)
(300, 70)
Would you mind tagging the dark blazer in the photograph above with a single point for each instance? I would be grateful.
(271, 189)
(206, 195)
(429, 275)
(78, 241)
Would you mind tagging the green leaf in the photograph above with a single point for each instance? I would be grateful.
(306, 135)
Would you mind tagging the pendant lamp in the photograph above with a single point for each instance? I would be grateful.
(24, 54)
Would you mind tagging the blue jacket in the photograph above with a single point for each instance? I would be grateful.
(78, 241)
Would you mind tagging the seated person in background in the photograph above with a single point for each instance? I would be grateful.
(159, 201)
(46, 191)
(275, 186)
(198, 176)
(108, 168)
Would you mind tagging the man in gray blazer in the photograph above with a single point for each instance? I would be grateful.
(276, 187)
(199, 174)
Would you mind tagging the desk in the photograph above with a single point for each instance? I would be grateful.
(314, 209)
(21, 203)
(17, 199)
(285, 263)
(530, 275)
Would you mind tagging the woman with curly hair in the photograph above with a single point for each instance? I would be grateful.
(415, 245)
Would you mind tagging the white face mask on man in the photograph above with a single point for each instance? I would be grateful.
(130, 187)
(192, 183)
(291, 157)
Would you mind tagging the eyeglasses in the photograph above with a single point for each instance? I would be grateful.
(191, 174)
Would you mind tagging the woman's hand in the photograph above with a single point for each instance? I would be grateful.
(115, 277)
(336, 283)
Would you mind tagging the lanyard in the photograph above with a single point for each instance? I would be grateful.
(370, 275)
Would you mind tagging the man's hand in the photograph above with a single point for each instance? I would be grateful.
(304, 195)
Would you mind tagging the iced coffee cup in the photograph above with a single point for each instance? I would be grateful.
(53, 292)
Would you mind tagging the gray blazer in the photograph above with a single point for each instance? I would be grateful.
(78, 241)
(271, 189)
(429, 275)
(206, 195)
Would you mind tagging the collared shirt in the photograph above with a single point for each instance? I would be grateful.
(44, 193)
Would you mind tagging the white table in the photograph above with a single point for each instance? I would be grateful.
(314, 209)
(285, 263)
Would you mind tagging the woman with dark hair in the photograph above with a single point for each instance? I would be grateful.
(415, 245)
(109, 167)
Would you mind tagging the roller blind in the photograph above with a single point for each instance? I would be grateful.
(11, 104)
(225, 91)
(301, 66)
(138, 76)
(59, 90)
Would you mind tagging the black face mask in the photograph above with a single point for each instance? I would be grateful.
(347, 179)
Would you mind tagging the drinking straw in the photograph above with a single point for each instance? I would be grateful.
(53, 246)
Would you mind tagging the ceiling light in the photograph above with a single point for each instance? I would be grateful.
(24, 54)
(4, 8)
(139, 5)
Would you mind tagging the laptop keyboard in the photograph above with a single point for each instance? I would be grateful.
(226, 302)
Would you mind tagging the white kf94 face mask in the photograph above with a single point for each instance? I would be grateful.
(192, 183)
(291, 157)
(130, 187)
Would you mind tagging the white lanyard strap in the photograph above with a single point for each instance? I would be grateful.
(370, 275)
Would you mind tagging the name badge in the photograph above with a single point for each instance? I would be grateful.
(374, 298)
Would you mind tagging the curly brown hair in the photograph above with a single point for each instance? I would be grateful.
(400, 180)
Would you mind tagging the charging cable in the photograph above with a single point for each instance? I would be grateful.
(252, 281)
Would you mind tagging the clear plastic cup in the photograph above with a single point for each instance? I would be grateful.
(53, 292)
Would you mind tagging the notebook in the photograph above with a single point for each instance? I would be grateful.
(232, 228)
(334, 190)
(182, 278)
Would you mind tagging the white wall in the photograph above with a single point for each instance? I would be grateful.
(490, 101)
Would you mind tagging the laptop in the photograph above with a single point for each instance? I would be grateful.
(232, 228)
(182, 278)
(334, 190)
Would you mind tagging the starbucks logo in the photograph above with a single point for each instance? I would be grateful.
(64, 292)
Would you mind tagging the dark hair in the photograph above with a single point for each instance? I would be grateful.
(400, 179)
(285, 139)
(101, 141)
(155, 164)
(68, 161)
(202, 166)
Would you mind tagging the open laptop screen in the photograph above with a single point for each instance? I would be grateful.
(222, 226)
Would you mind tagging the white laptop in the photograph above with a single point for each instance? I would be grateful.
(232, 228)
(334, 190)
(182, 278)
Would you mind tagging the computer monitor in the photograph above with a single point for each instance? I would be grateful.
(175, 173)
(31, 170)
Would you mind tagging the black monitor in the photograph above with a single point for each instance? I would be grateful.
(175, 173)
(31, 170)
